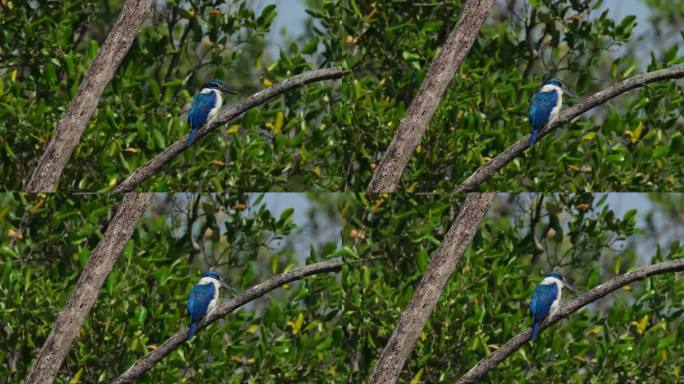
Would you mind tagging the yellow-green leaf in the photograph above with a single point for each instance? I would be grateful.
(417, 377)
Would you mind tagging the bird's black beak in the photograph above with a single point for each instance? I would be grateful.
(569, 287)
(230, 90)
(570, 93)
(228, 287)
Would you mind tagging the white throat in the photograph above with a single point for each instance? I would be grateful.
(551, 87)
(552, 280)
(210, 280)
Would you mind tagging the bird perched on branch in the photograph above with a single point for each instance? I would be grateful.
(203, 298)
(545, 105)
(205, 105)
(546, 298)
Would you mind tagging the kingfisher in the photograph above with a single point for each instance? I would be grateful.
(546, 298)
(203, 298)
(205, 105)
(545, 105)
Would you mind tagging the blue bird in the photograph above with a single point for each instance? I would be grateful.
(203, 298)
(546, 298)
(545, 106)
(205, 105)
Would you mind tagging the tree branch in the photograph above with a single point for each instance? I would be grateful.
(70, 128)
(83, 297)
(486, 171)
(490, 362)
(439, 270)
(226, 114)
(145, 363)
(407, 136)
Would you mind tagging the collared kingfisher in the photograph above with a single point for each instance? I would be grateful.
(546, 298)
(203, 298)
(205, 105)
(545, 105)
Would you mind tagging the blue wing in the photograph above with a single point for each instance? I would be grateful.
(199, 110)
(200, 296)
(542, 298)
(542, 104)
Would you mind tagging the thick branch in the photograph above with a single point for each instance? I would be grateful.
(486, 171)
(490, 362)
(83, 297)
(145, 363)
(413, 125)
(439, 270)
(225, 115)
(70, 128)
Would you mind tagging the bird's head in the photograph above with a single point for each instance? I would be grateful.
(219, 86)
(557, 83)
(559, 276)
(216, 276)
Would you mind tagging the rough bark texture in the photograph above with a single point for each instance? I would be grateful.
(486, 171)
(407, 136)
(100, 264)
(226, 114)
(70, 128)
(440, 268)
(145, 363)
(490, 362)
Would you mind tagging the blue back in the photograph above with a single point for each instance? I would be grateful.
(540, 110)
(542, 298)
(200, 296)
(199, 110)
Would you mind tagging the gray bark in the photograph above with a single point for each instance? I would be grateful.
(490, 362)
(486, 171)
(407, 136)
(83, 297)
(70, 128)
(439, 270)
(146, 362)
(148, 169)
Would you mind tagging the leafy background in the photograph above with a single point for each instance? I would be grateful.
(632, 143)
(633, 335)
(286, 336)
(46, 48)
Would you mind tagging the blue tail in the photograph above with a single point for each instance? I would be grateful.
(535, 330)
(533, 138)
(191, 138)
(193, 329)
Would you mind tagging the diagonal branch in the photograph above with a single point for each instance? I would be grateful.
(486, 171)
(70, 128)
(148, 169)
(84, 295)
(442, 70)
(490, 362)
(442, 265)
(146, 363)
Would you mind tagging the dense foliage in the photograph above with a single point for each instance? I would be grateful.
(287, 336)
(633, 143)
(633, 335)
(46, 47)
(330, 135)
